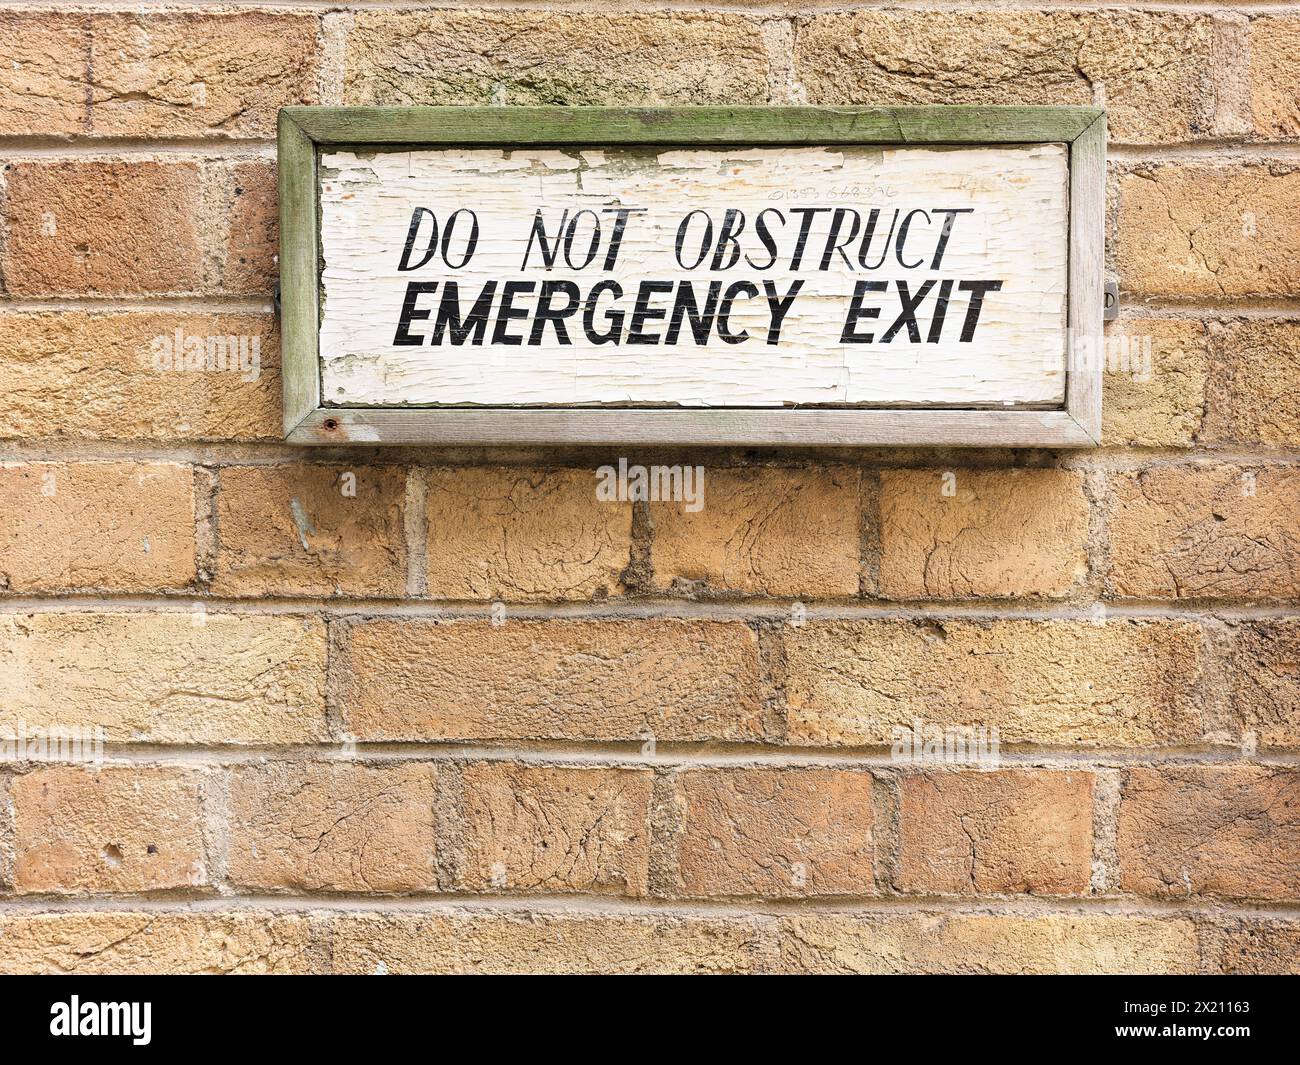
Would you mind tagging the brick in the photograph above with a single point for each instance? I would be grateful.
(332, 827)
(988, 943)
(545, 828)
(559, 679)
(763, 531)
(1205, 531)
(1001, 833)
(1153, 389)
(121, 526)
(253, 242)
(42, 87)
(1264, 669)
(200, 75)
(1274, 82)
(1251, 947)
(523, 535)
(118, 829)
(569, 943)
(155, 75)
(535, 57)
(1227, 830)
(103, 228)
(155, 943)
(1212, 231)
(182, 677)
(115, 376)
(311, 530)
(1001, 533)
(1151, 66)
(791, 833)
(1253, 395)
(1121, 683)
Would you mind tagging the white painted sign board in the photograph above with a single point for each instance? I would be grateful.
(865, 282)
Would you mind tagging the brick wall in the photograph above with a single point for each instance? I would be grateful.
(671, 747)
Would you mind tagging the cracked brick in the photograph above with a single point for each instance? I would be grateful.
(1231, 831)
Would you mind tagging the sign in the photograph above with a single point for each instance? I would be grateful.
(753, 276)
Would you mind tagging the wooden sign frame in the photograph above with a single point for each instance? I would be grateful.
(305, 131)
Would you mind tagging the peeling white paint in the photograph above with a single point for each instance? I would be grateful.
(1017, 233)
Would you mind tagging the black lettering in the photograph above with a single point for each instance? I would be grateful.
(414, 290)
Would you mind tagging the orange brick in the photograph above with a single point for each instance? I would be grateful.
(103, 228)
(123, 526)
(545, 828)
(332, 827)
(960, 534)
(1205, 532)
(120, 829)
(1000, 833)
(1120, 683)
(1256, 947)
(1210, 830)
(776, 832)
(1201, 230)
(558, 679)
(253, 246)
(524, 535)
(1265, 674)
(311, 530)
(115, 376)
(763, 531)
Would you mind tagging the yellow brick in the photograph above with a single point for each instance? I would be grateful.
(1254, 390)
(1152, 66)
(1264, 669)
(957, 534)
(763, 532)
(1210, 231)
(1273, 42)
(185, 677)
(536, 57)
(1059, 682)
(114, 376)
(579, 943)
(987, 943)
(157, 943)
(1154, 383)
(122, 526)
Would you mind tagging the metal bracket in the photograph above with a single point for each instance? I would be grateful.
(1110, 302)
